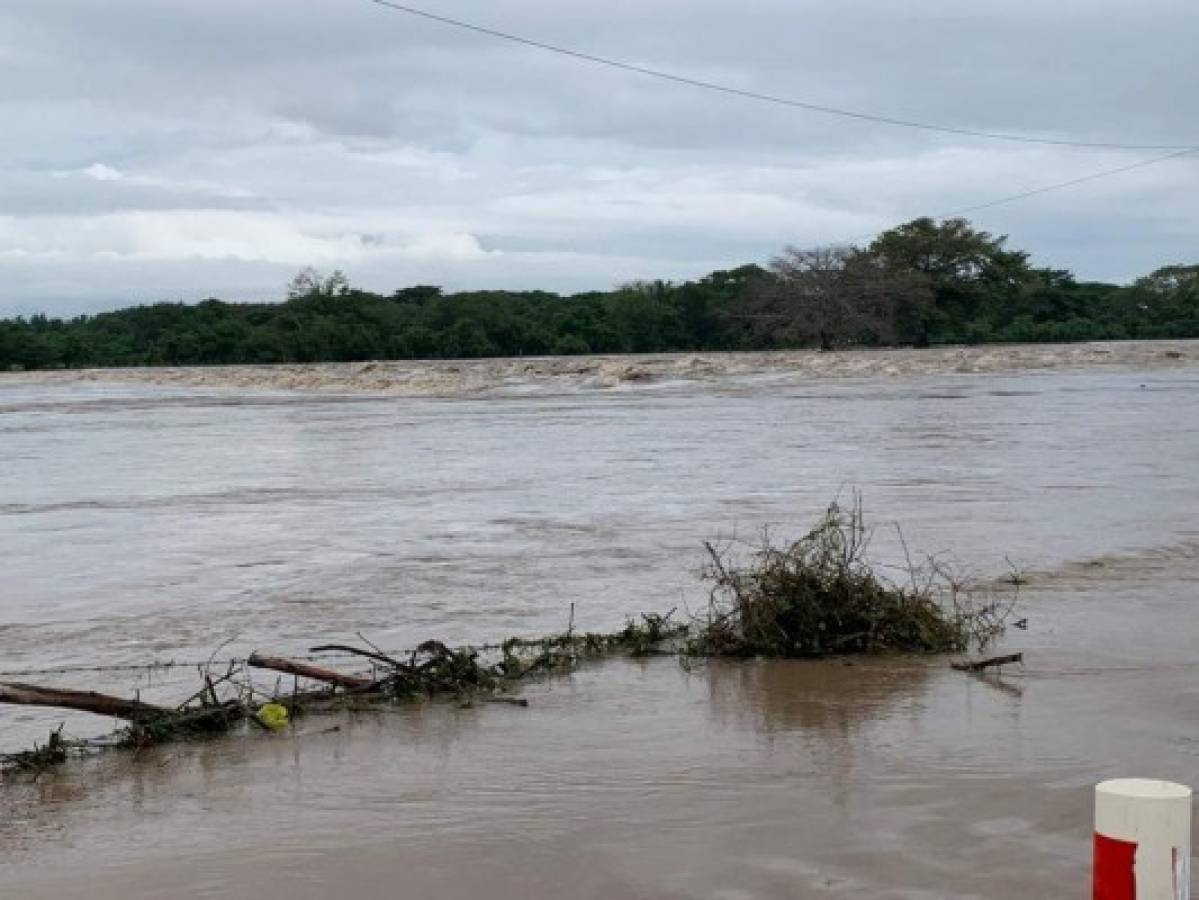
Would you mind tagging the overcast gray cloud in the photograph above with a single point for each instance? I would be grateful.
(156, 149)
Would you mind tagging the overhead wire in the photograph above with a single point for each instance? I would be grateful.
(1034, 192)
(1094, 176)
(762, 97)
(1176, 150)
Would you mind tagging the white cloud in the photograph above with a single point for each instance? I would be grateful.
(445, 248)
(200, 236)
(95, 172)
(100, 172)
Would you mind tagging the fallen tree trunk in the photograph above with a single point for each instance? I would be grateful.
(86, 701)
(981, 664)
(305, 670)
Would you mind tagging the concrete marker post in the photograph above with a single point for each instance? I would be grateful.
(1142, 840)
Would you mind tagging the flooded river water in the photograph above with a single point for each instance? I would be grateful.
(145, 522)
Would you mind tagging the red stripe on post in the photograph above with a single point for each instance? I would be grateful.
(1115, 874)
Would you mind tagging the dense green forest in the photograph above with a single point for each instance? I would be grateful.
(923, 283)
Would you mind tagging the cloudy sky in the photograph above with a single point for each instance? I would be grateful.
(161, 149)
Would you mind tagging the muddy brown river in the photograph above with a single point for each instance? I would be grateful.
(144, 522)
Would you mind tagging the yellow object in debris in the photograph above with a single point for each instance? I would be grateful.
(273, 716)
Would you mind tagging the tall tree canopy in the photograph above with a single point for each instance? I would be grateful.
(967, 270)
(923, 282)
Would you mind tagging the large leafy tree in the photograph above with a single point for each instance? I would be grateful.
(971, 273)
(1165, 303)
(309, 282)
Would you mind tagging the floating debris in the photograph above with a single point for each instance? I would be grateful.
(817, 596)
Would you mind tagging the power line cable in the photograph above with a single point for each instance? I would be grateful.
(1177, 150)
(761, 97)
(1034, 192)
(1094, 176)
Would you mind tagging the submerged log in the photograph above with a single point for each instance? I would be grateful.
(86, 701)
(981, 664)
(305, 670)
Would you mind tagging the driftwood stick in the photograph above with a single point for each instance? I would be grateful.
(305, 670)
(979, 665)
(499, 698)
(86, 701)
(358, 651)
(209, 685)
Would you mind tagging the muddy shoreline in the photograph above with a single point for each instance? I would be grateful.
(466, 377)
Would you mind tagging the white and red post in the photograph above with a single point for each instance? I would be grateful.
(1142, 840)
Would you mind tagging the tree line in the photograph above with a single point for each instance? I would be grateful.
(922, 283)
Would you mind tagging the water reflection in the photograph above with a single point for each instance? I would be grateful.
(832, 698)
(828, 716)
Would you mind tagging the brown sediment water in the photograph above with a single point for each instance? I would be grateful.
(154, 522)
(762, 779)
